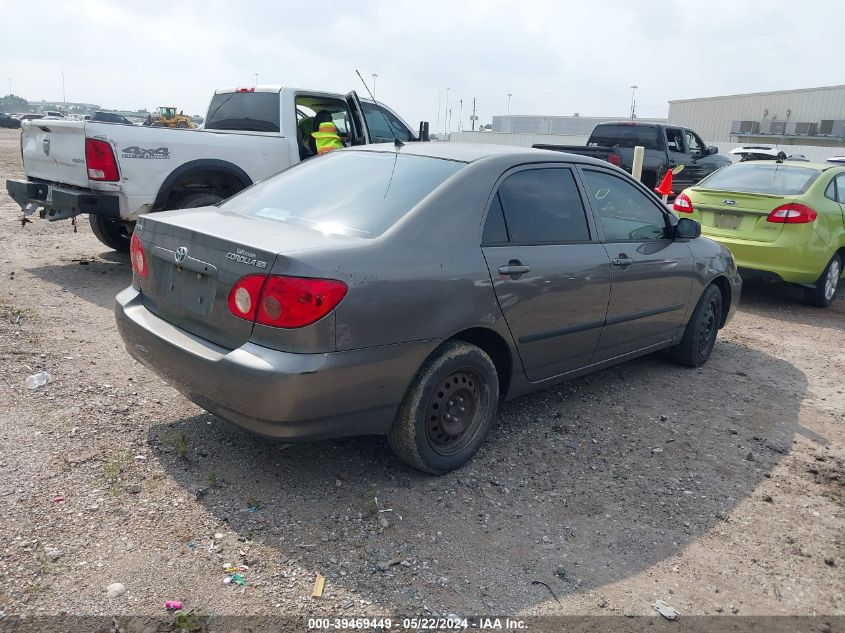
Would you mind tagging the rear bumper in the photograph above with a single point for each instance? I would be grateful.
(295, 397)
(795, 259)
(63, 202)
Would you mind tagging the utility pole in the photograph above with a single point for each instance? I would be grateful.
(445, 113)
(461, 117)
(64, 99)
(634, 102)
(374, 84)
(473, 118)
(510, 94)
(256, 78)
(438, 110)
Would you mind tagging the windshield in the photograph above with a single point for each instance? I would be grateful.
(246, 111)
(624, 135)
(350, 193)
(776, 179)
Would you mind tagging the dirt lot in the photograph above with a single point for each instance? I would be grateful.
(718, 490)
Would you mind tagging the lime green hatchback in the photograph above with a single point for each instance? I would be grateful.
(782, 221)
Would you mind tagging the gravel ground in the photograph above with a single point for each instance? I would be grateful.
(719, 490)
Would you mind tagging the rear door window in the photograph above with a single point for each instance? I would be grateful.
(495, 229)
(625, 135)
(246, 111)
(543, 206)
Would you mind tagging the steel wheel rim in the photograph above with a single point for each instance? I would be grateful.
(708, 329)
(832, 280)
(455, 411)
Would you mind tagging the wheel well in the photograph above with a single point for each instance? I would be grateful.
(496, 348)
(724, 287)
(221, 182)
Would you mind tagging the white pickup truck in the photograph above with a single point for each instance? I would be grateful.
(115, 173)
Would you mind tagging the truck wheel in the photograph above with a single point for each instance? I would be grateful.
(181, 124)
(112, 232)
(702, 328)
(448, 409)
(194, 200)
(822, 295)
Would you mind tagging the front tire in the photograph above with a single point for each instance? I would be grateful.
(700, 334)
(112, 232)
(448, 409)
(825, 290)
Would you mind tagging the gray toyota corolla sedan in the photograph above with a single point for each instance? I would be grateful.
(408, 291)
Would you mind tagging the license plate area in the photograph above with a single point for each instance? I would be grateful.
(727, 221)
(190, 290)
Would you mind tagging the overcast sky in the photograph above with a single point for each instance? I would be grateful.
(554, 57)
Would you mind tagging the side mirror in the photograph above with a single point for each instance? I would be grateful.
(712, 150)
(423, 135)
(687, 229)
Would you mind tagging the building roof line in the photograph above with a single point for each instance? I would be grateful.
(759, 94)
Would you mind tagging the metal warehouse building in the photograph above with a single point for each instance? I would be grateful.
(806, 117)
(558, 125)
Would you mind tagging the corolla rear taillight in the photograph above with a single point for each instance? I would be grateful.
(285, 302)
(137, 255)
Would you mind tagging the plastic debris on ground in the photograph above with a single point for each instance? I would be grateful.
(666, 610)
(235, 579)
(173, 605)
(37, 380)
(319, 584)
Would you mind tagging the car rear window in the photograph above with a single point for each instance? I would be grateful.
(351, 193)
(773, 178)
(247, 111)
(624, 136)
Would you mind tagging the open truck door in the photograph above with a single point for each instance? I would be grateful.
(361, 133)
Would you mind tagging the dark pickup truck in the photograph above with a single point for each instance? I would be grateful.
(666, 146)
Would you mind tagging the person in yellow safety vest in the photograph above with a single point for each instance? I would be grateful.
(325, 136)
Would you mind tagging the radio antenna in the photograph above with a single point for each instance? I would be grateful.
(396, 142)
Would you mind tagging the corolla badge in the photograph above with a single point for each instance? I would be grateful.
(729, 202)
(181, 254)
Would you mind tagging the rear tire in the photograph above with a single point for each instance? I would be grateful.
(448, 409)
(194, 200)
(700, 334)
(112, 232)
(822, 295)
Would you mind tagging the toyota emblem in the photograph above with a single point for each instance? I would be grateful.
(181, 254)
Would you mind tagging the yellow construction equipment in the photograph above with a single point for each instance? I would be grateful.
(167, 117)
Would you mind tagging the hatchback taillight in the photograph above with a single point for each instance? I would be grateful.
(284, 302)
(793, 213)
(136, 254)
(100, 161)
(682, 204)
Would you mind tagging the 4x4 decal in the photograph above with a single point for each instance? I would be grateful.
(139, 152)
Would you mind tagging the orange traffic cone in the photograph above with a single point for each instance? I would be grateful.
(665, 188)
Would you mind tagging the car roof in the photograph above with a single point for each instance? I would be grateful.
(471, 152)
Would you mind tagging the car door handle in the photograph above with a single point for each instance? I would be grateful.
(622, 260)
(514, 268)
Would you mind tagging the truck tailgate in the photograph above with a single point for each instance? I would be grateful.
(55, 151)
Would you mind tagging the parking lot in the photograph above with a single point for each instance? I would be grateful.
(718, 490)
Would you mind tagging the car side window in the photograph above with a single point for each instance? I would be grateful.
(674, 141)
(495, 229)
(830, 192)
(626, 213)
(543, 206)
(692, 142)
(840, 188)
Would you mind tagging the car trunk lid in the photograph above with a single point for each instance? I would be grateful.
(55, 151)
(736, 214)
(195, 256)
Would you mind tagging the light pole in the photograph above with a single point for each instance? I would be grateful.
(510, 94)
(634, 101)
(256, 78)
(461, 116)
(10, 87)
(374, 84)
(64, 99)
(445, 113)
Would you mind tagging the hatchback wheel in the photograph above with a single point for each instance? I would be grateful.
(822, 295)
(700, 334)
(448, 409)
